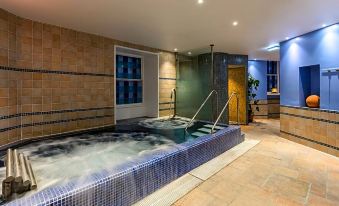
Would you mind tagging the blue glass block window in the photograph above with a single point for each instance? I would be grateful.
(272, 75)
(129, 80)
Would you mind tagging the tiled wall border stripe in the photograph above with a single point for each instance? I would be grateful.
(53, 122)
(164, 78)
(266, 103)
(53, 71)
(164, 109)
(261, 102)
(312, 118)
(162, 103)
(258, 104)
(311, 109)
(52, 112)
(310, 140)
(19, 143)
(276, 103)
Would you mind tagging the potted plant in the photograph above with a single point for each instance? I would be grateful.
(253, 85)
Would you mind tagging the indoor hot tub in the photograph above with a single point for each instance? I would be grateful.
(120, 165)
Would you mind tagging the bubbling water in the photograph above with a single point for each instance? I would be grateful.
(56, 161)
(165, 123)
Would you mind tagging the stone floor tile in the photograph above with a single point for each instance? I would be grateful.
(225, 191)
(275, 172)
(286, 172)
(282, 201)
(254, 196)
(198, 197)
(288, 187)
(315, 200)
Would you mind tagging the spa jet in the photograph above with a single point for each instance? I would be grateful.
(19, 174)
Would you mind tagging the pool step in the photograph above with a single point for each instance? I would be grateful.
(216, 127)
(205, 130)
(198, 134)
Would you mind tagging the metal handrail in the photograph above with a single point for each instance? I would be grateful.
(173, 93)
(223, 110)
(201, 106)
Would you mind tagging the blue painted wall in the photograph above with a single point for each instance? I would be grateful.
(320, 47)
(258, 69)
(309, 82)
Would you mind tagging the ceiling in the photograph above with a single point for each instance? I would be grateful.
(185, 24)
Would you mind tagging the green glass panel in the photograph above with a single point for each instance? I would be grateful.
(193, 86)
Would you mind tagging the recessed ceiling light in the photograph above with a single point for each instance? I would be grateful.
(200, 1)
(235, 23)
(175, 49)
(273, 47)
(189, 53)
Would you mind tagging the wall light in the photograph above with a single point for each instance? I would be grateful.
(287, 38)
(273, 47)
(235, 23)
(200, 1)
(189, 53)
(175, 49)
(324, 25)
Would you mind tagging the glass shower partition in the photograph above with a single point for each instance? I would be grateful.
(194, 83)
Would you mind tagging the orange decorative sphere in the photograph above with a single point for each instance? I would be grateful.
(313, 101)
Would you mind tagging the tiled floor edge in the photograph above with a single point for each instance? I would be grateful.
(172, 192)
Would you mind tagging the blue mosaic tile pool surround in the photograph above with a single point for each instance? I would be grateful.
(130, 182)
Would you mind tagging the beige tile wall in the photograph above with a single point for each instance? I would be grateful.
(167, 70)
(321, 132)
(263, 109)
(267, 109)
(27, 44)
(273, 108)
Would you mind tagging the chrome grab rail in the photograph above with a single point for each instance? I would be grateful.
(173, 93)
(223, 110)
(201, 106)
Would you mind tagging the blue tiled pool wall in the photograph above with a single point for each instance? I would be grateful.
(133, 181)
